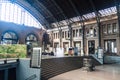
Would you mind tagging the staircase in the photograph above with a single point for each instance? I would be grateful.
(100, 60)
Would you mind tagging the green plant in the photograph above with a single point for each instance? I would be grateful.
(12, 51)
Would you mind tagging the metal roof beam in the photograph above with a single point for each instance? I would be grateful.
(59, 9)
(44, 8)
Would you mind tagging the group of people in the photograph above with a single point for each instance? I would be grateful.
(71, 51)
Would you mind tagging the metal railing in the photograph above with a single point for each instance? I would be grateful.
(100, 60)
(8, 60)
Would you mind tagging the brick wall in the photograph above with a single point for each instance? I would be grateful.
(21, 30)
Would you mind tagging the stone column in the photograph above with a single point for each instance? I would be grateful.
(118, 15)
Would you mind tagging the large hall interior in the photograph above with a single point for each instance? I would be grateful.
(59, 39)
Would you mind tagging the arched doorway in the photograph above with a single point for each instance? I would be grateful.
(9, 37)
(31, 41)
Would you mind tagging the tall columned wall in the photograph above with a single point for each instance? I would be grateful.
(104, 20)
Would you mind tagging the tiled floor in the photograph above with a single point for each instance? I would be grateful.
(104, 72)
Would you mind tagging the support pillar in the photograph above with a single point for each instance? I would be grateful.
(60, 36)
(99, 30)
(118, 15)
(98, 23)
(70, 30)
(81, 21)
(52, 43)
(83, 38)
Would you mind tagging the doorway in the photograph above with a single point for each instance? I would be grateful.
(78, 45)
(91, 47)
(66, 47)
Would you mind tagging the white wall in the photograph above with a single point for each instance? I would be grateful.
(24, 71)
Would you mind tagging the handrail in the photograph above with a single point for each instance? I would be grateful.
(6, 60)
(32, 77)
(100, 60)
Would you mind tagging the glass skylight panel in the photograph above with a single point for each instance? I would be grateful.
(114, 10)
(1, 1)
(25, 18)
(19, 15)
(29, 18)
(85, 17)
(7, 17)
(108, 11)
(15, 14)
(89, 15)
(12, 12)
(3, 12)
(102, 13)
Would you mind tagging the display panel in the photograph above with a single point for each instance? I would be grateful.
(36, 58)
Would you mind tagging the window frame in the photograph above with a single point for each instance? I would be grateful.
(13, 39)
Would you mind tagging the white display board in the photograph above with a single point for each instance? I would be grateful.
(115, 50)
(36, 57)
(59, 52)
(100, 53)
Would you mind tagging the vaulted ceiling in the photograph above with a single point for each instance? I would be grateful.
(50, 11)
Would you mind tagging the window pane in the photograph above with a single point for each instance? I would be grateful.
(54, 35)
(109, 28)
(9, 38)
(114, 27)
(68, 34)
(110, 46)
(80, 32)
(62, 34)
(104, 27)
(73, 33)
(77, 33)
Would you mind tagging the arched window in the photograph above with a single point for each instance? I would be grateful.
(31, 38)
(9, 37)
(12, 12)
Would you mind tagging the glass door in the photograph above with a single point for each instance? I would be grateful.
(110, 46)
(91, 47)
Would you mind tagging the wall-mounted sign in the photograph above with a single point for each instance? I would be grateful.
(36, 58)
(100, 53)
